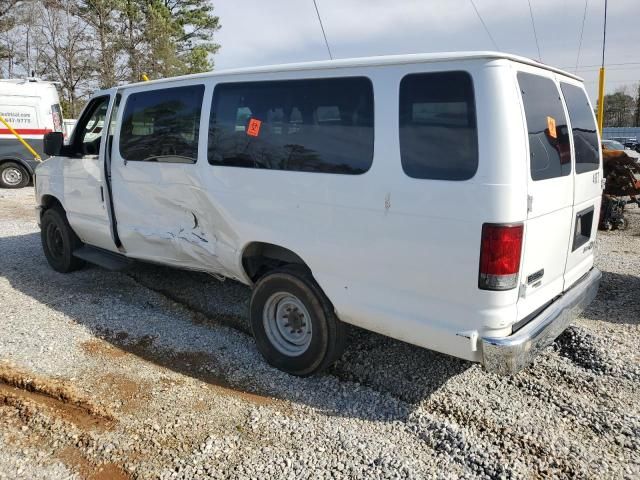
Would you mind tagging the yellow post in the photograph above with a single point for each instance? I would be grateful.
(601, 100)
(21, 140)
(144, 77)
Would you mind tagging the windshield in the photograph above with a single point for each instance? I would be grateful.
(613, 145)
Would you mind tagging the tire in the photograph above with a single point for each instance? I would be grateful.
(13, 175)
(59, 241)
(623, 224)
(309, 343)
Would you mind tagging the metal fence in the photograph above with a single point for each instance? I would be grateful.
(621, 132)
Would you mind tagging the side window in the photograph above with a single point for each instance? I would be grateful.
(162, 125)
(549, 149)
(583, 128)
(438, 134)
(319, 125)
(88, 131)
(56, 115)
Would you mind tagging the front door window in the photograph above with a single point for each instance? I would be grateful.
(86, 140)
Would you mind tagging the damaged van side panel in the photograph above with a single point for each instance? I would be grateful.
(201, 216)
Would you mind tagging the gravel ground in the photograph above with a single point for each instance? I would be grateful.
(152, 374)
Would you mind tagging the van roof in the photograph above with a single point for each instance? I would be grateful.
(28, 80)
(368, 61)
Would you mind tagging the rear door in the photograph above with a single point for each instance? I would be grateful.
(549, 191)
(587, 182)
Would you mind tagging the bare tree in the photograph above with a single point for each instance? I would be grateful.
(89, 44)
(8, 46)
(66, 56)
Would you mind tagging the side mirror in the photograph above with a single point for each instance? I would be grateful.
(52, 143)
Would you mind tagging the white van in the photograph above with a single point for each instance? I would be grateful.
(32, 108)
(446, 200)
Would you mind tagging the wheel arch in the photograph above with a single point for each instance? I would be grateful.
(48, 201)
(260, 257)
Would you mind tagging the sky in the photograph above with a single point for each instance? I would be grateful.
(259, 32)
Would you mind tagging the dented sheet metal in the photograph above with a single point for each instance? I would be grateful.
(193, 242)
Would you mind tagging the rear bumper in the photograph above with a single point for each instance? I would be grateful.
(508, 355)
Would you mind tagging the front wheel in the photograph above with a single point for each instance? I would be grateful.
(293, 323)
(59, 241)
(13, 175)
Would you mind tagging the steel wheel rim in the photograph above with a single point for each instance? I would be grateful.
(12, 176)
(287, 324)
(55, 242)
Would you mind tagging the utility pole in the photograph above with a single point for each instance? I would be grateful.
(601, 82)
(637, 119)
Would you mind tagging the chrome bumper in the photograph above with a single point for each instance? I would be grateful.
(508, 355)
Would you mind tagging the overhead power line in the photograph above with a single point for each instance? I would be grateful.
(584, 16)
(486, 29)
(626, 68)
(322, 28)
(535, 34)
(584, 67)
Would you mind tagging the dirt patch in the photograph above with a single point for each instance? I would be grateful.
(100, 348)
(16, 211)
(31, 393)
(133, 394)
(200, 365)
(73, 458)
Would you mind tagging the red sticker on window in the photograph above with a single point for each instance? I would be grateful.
(253, 129)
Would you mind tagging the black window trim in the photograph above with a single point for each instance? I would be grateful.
(162, 86)
(475, 111)
(331, 77)
(574, 157)
(565, 111)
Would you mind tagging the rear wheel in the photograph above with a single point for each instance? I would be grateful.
(294, 325)
(623, 224)
(13, 175)
(59, 241)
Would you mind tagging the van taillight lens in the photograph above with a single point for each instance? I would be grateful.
(500, 256)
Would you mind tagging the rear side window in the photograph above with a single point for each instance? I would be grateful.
(162, 125)
(318, 125)
(549, 149)
(583, 128)
(438, 134)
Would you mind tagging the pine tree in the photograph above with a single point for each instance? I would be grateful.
(102, 16)
(168, 37)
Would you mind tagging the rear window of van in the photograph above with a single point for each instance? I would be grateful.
(583, 128)
(315, 125)
(549, 148)
(438, 134)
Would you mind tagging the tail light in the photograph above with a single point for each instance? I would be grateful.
(500, 256)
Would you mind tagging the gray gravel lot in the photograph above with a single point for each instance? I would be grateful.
(152, 374)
